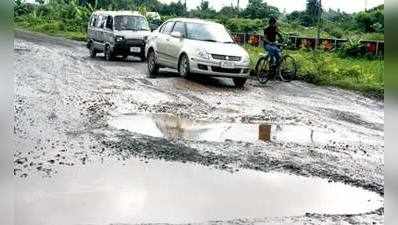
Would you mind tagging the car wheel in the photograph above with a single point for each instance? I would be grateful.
(239, 82)
(108, 54)
(153, 66)
(183, 66)
(93, 52)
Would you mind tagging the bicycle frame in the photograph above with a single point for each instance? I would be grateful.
(274, 70)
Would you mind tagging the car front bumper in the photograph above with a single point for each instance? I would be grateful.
(213, 68)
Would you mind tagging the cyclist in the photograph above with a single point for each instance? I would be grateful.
(270, 34)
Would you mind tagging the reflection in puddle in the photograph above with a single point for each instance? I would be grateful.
(165, 192)
(171, 127)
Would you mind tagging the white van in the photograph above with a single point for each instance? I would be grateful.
(117, 33)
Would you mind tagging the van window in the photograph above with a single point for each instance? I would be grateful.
(135, 23)
(109, 22)
(98, 21)
(103, 21)
(179, 27)
(166, 29)
(92, 18)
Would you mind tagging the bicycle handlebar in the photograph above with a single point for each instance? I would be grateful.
(280, 44)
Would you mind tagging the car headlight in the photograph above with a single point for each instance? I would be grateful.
(202, 54)
(246, 59)
(119, 38)
(146, 38)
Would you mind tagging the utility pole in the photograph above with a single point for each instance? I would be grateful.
(237, 6)
(318, 36)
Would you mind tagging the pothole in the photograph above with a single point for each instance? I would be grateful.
(173, 192)
(172, 127)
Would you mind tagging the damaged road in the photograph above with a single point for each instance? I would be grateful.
(72, 111)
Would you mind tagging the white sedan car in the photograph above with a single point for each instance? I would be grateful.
(199, 47)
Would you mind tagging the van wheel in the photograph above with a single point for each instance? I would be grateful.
(153, 66)
(108, 54)
(183, 66)
(93, 52)
(239, 82)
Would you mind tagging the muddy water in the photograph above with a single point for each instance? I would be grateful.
(171, 127)
(164, 192)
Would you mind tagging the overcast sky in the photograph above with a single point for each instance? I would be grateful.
(291, 5)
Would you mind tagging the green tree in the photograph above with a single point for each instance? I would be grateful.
(314, 11)
(228, 11)
(257, 9)
(173, 9)
(204, 11)
(300, 17)
(370, 21)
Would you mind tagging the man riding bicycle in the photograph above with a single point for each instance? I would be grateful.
(275, 64)
(270, 34)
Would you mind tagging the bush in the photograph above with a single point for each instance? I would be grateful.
(326, 68)
(372, 21)
(333, 30)
(21, 8)
(54, 18)
(353, 48)
(237, 25)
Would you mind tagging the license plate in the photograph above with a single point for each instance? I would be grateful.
(227, 65)
(135, 49)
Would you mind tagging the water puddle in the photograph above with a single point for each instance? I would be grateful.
(171, 127)
(171, 192)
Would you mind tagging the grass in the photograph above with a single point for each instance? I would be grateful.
(331, 69)
(53, 28)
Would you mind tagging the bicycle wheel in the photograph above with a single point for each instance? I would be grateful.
(288, 68)
(263, 70)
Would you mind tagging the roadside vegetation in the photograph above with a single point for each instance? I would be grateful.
(57, 18)
(69, 18)
(331, 69)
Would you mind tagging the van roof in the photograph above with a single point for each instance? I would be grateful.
(118, 13)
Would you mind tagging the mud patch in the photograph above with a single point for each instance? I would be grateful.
(173, 127)
(355, 119)
(170, 192)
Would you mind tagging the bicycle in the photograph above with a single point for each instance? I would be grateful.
(266, 69)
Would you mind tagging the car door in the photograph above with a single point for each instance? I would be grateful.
(108, 30)
(91, 27)
(100, 31)
(162, 44)
(175, 44)
(94, 29)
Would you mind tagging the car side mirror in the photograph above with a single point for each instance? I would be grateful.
(176, 34)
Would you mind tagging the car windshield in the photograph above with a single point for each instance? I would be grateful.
(208, 32)
(131, 23)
